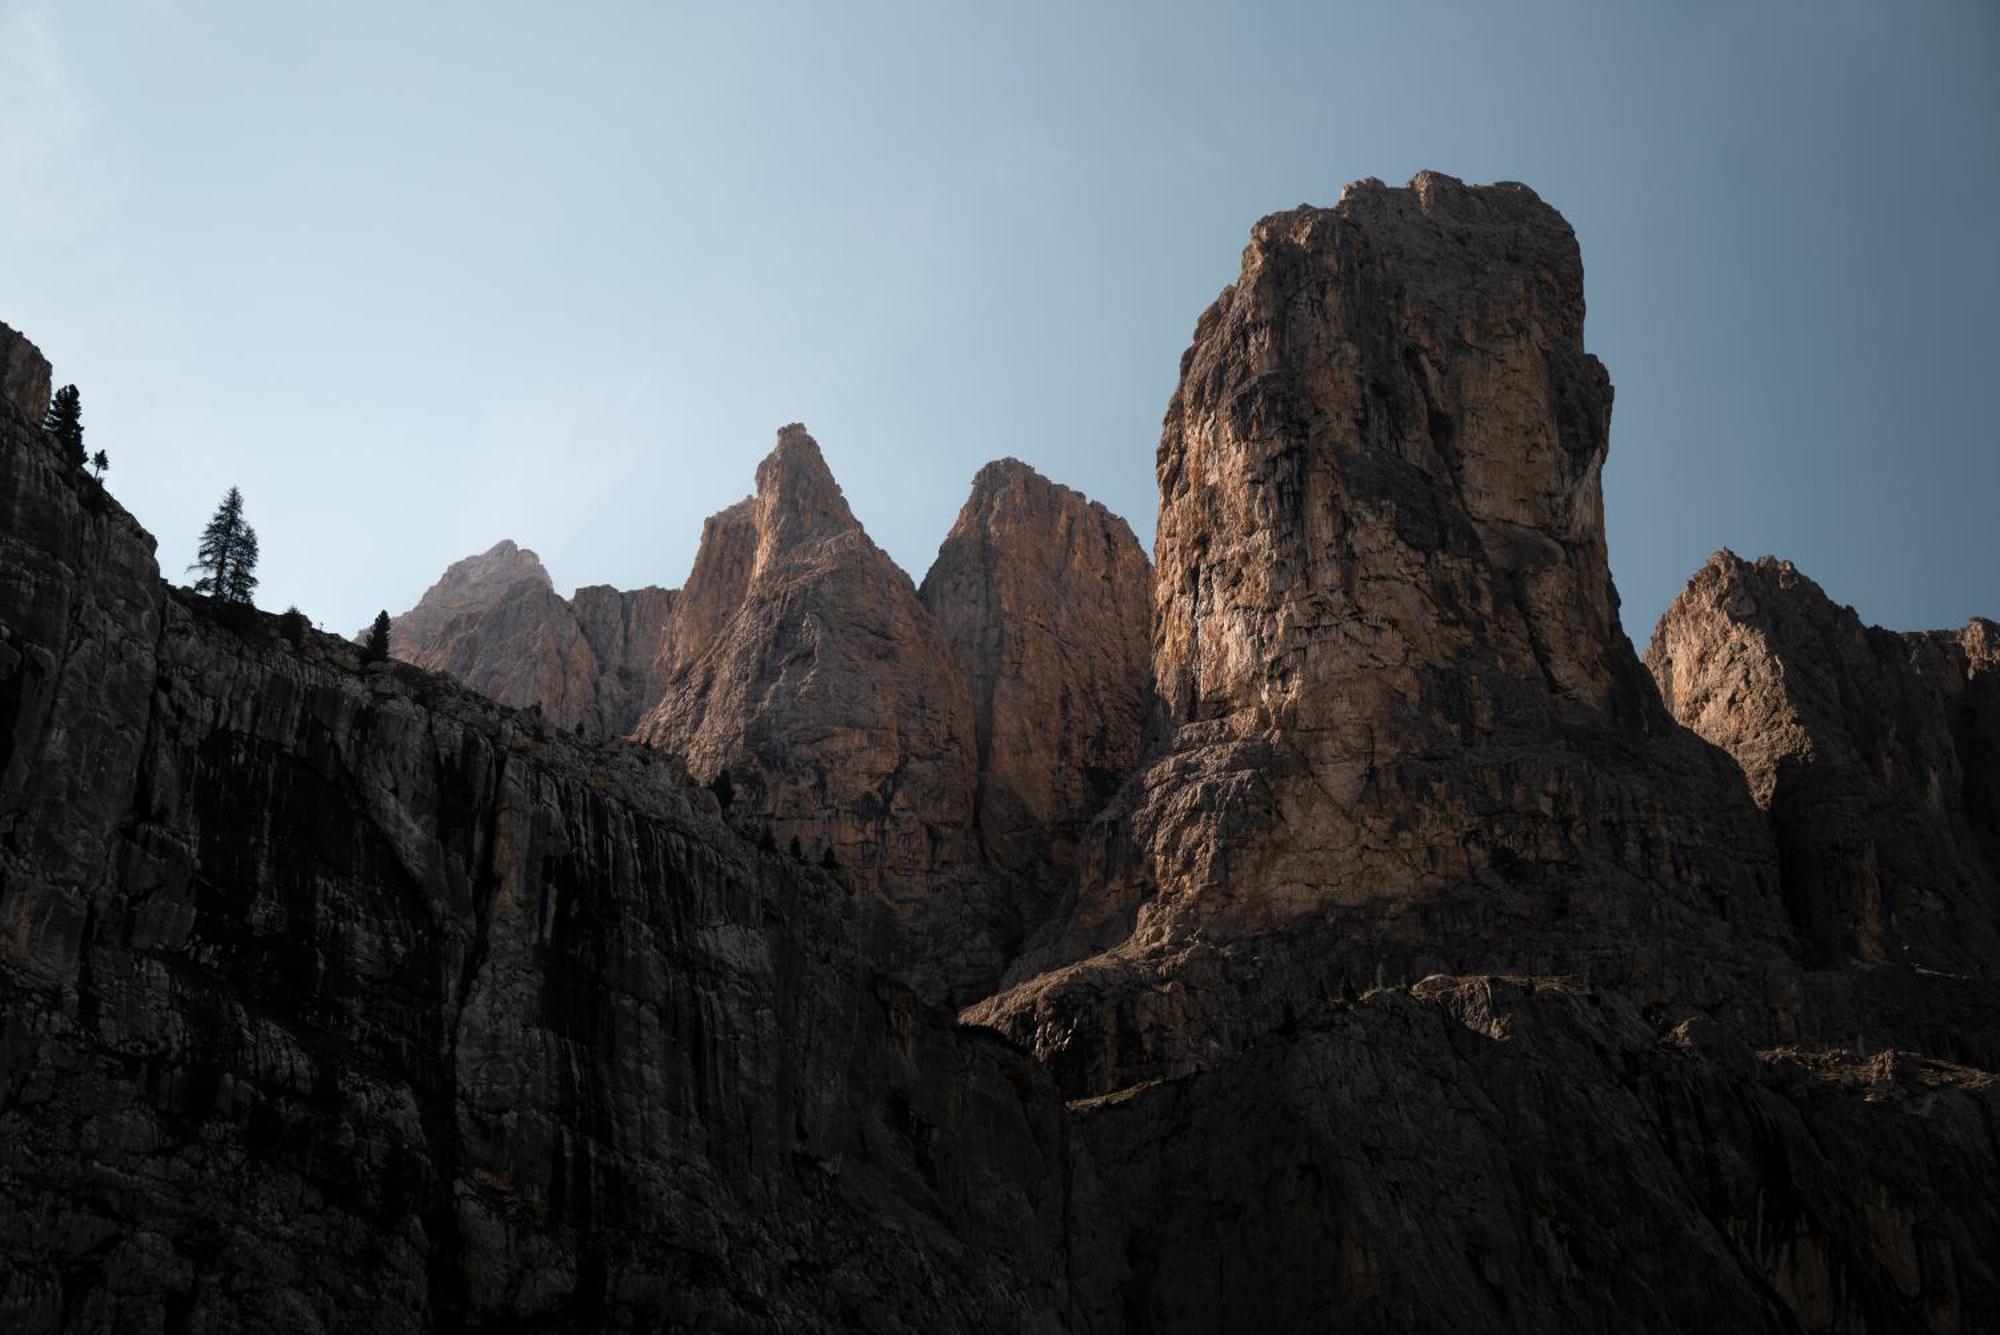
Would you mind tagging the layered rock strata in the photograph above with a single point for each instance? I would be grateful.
(1407, 726)
(1872, 754)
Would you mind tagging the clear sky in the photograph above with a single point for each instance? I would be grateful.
(420, 277)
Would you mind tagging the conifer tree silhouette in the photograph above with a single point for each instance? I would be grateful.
(375, 649)
(65, 423)
(227, 556)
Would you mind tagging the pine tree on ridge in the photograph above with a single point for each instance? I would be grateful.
(375, 649)
(64, 424)
(227, 556)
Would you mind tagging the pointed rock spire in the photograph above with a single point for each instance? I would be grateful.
(797, 499)
(807, 668)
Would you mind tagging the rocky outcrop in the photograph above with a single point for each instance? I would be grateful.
(495, 622)
(1407, 724)
(1045, 600)
(812, 674)
(1418, 979)
(808, 670)
(1872, 754)
(946, 748)
(347, 1000)
(1963, 667)
(24, 376)
(629, 632)
(1482, 1154)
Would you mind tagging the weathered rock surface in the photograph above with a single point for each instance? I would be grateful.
(946, 748)
(1479, 1154)
(809, 671)
(24, 375)
(1871, 752)
(1409, 732)
(495, 622)
(1045, 599)
(345, 1000)
(812, 674)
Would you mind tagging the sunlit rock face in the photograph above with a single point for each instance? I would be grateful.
(1875, 756)
(945, 749)
(1403, 710)
(819, 682)
(495, 622)
(805, 667)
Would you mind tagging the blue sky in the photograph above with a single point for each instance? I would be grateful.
(420, 277)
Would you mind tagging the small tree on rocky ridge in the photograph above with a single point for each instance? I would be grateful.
(227, 556)
(64, 424)
(375, 649)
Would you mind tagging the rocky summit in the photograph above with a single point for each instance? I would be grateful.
(1330, 925)
(495, 622)
(1874, 757)
(1407, 732)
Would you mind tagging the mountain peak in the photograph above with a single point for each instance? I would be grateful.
(497, 569)
(797, 499)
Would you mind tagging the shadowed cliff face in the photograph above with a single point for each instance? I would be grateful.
(347, 1000)
(1044, 598)
(24, 375)
(344, 999)
(1507, 1155)
(1872, 754)
(1409, 734)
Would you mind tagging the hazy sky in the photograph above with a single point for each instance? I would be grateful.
(420, 277)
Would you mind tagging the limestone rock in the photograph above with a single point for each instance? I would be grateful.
(495, 622)
(344, 999)
(1409, 732)
(1870, 752)
(1509, 1155)
(1045, 600)
(821, 685)
(629, 632)
(807, 669)
(24, 376)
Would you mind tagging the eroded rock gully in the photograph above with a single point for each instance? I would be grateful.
(347, 999)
